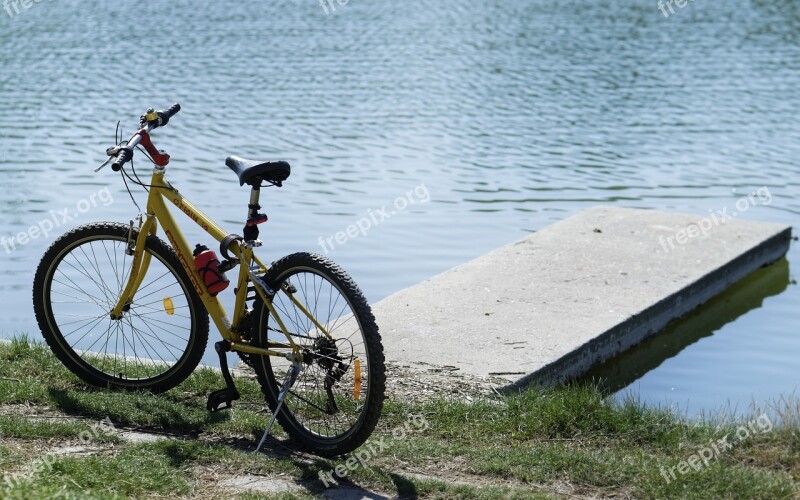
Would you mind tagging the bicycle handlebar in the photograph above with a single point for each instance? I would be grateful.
(165, 115)
(173, 110)
(123, 156)
(150, 120)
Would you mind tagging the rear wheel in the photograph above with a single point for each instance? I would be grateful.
(162, 334)
(336, 402)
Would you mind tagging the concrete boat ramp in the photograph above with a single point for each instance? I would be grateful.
(549, 307)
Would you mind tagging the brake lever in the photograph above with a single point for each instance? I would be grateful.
(112, 152)
(104, 164)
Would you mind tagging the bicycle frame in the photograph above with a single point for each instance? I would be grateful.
(249, 267)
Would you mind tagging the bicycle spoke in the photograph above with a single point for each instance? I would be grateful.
(160, 289)
(146, 340)
(308, 400)
(114, 267)
(77, 288)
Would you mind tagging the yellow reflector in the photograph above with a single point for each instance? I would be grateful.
(357, 385)
(169, 306)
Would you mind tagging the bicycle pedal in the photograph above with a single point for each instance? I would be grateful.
(222, 399)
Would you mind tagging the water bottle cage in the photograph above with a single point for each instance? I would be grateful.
(227, 265)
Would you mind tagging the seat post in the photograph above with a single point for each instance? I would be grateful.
(252, 208)
(251, 226)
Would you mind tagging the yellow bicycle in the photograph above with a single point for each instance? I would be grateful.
(123, 309)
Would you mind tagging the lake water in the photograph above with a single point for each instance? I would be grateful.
(505, 116)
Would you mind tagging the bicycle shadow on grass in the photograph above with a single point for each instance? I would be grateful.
(119, 406)
(312, 468)
(172, 428)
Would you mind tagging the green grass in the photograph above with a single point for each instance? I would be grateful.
(534, 444)
(12, 426)
(134, 471)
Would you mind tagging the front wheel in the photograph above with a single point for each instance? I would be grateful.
(336, 401)
(162, 333)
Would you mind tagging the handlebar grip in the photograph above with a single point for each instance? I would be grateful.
(172, 111)
(123, 157)
(160, 118)
(164, 116)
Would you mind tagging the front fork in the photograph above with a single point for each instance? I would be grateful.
(139, 266)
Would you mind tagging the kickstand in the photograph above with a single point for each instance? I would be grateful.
(288, 382)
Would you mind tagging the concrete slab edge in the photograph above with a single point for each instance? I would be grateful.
(653, 320)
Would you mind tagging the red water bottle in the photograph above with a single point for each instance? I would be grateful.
(207, 264)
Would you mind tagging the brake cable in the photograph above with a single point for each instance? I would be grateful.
(129, 189)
